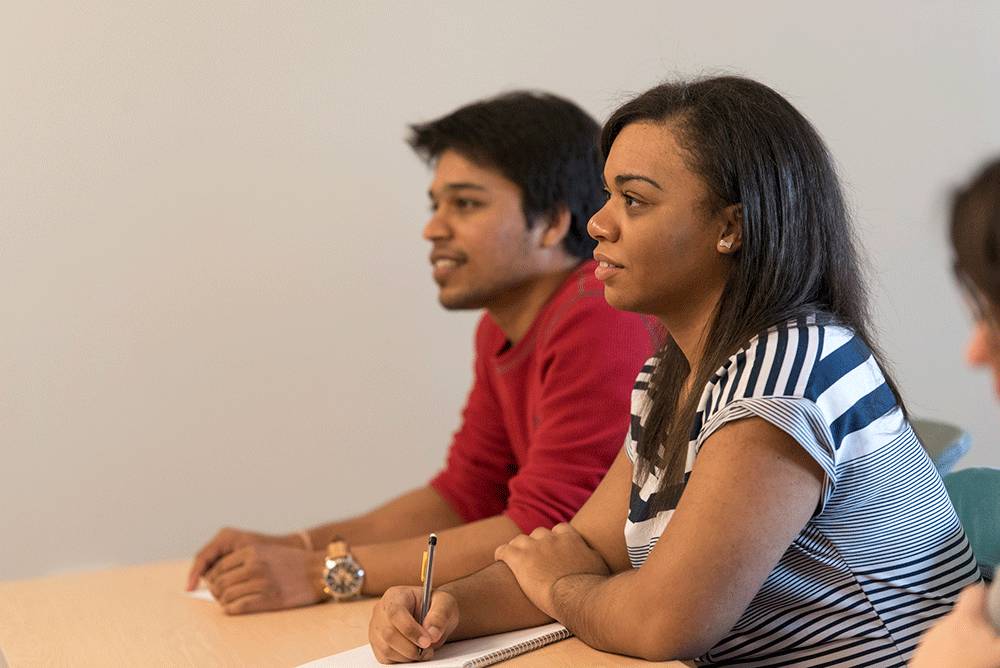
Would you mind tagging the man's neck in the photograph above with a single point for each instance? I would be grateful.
(515, 312)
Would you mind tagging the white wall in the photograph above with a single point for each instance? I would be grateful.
(215, 305)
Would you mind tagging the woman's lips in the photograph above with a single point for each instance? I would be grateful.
(605, 270)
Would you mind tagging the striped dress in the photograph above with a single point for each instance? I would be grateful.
(883, 556)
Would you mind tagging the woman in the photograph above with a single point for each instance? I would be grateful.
(777, 506)
(966, 637)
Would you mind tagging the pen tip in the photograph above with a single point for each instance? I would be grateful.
(433, 539)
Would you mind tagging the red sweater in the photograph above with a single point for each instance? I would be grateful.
(546, 417)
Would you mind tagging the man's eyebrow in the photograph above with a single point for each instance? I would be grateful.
(460, 185)
(622, 179)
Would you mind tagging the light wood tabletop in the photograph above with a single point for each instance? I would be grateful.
(140, 616)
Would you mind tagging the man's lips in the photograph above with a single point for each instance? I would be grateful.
(445, 263)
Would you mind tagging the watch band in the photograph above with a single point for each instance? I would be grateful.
(337, 548)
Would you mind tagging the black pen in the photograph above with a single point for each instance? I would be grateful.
(427, 576)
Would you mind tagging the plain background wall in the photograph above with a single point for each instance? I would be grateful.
(215, 304)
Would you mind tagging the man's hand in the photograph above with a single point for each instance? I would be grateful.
(963, 638)
(540, 559)
(394, 633)
(265, 576)
(229, 540)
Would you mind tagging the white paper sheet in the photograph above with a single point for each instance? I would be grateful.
(201, 594)
(452, 655)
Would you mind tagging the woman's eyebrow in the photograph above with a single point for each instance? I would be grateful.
(622, 179)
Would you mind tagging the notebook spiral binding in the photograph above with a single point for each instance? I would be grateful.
(518, 649)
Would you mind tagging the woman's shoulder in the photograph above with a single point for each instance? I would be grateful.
(808, 377)
(801, 358)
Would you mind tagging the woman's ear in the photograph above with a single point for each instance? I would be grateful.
(731, 230)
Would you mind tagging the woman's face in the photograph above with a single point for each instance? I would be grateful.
(658, 240)
(983, 349)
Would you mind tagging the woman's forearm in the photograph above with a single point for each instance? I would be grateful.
(490, 601)
(612, 614)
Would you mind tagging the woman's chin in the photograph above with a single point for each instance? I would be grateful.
(617, 301)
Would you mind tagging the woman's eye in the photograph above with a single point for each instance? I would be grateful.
(607, 194)
(630, 201)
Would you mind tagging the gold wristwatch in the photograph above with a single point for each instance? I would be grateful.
(343, 577)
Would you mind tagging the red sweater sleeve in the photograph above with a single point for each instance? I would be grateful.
(480, 460)
(590, 358)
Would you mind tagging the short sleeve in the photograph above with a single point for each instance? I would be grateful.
(798, 417)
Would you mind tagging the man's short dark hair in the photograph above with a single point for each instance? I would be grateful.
(545, 144)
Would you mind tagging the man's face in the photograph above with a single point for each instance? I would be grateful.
(482, 247)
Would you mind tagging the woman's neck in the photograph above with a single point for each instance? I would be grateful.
(689, 328)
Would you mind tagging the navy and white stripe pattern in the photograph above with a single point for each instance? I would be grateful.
(883, 557)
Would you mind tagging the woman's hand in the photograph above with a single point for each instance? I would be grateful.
(539, 560)
(394, 633)
(963, 638)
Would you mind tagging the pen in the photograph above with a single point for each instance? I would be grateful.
(427, 576)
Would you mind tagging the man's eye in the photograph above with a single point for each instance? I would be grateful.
(464, 204)
(630, 201)
(607, 194)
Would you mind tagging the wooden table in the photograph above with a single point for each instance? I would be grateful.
(140, 616)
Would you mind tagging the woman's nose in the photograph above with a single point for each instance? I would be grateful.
(977, 351)
(602, 227)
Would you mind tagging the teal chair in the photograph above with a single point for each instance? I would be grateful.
(945, 443)
(976, 496)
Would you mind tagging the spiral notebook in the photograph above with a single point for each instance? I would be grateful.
(474, 653)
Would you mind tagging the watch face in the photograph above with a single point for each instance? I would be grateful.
(343, 578)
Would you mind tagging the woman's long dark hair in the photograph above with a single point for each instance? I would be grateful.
(975, 236)
(798, 255)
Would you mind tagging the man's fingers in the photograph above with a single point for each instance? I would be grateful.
(202, 561)
(563, 527)
(193, 576)
(226, 564)
(251, 603)
(238, 590)
(228, 580)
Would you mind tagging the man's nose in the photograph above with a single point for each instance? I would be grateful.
(436, 227)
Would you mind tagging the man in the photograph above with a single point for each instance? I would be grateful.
(516, 178)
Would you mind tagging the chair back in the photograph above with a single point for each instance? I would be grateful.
(975, 494)
(945, 443)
